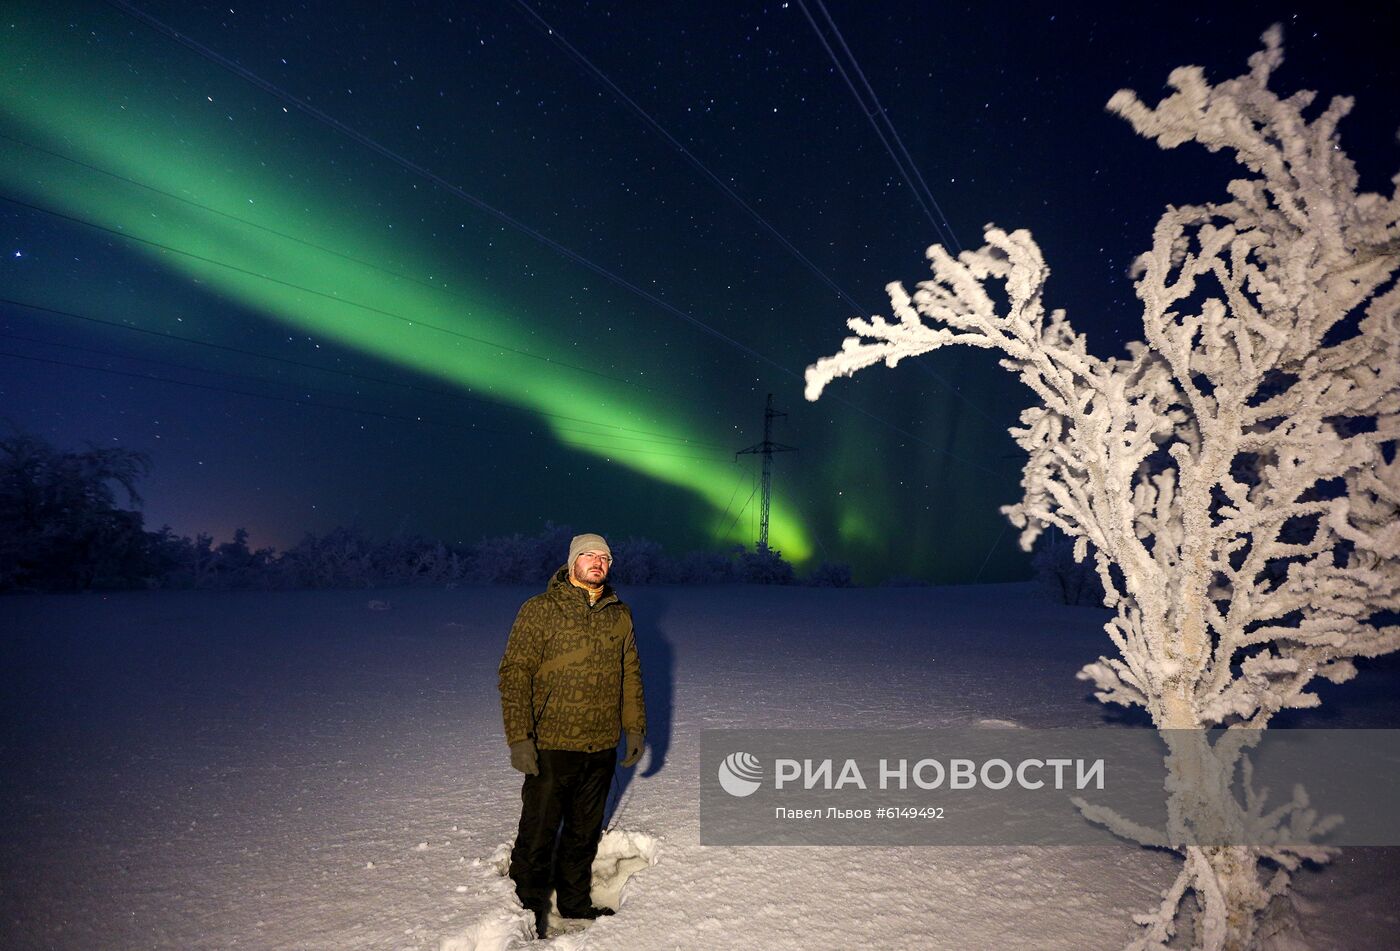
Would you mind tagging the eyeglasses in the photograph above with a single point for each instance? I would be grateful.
(596, 556)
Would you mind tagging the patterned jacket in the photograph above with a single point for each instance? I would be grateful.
(570, 675)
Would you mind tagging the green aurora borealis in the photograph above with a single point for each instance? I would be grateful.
(214, 212)
(54, 108)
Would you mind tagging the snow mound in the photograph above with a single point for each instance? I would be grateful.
(500, 859)
(497, 931)
(506, 925)
(621, 854)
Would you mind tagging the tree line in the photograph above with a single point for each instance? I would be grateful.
(71, 521)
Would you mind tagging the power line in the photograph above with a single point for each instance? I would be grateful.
(889, 124)
(988, 557)
(906, 165)
(742, 509)
(734, 196)
(473, 429)
(732, 494)
(478, 203)
(350, 373)
(689, 156)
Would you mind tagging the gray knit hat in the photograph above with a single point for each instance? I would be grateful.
(583, 543)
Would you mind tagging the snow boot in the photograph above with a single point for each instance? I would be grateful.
(592, 911)
(541, 913)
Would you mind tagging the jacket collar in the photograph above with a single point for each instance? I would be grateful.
(560, 587)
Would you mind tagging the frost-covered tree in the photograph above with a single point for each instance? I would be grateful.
(60, 524)
(1235, 473)
(342, 558)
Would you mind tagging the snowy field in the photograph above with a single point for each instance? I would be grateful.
(302, 770)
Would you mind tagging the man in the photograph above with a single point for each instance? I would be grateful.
(570, 680)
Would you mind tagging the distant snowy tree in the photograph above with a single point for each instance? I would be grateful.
(519, 559)
(201, 560)
(830, 575)
(1063, 577)
(765, 566)
(60, 525)
(238, 566)
(1236, 473)
(640, 561)
(434, 562)
(706, 567)
(342, 558)
(413, 560)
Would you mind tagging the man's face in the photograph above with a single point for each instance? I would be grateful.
(591, 567)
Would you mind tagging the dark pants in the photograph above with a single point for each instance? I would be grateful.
(572, 787)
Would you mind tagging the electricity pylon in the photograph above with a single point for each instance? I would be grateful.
(766, 449)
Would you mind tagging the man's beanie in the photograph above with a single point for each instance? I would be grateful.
(583, 543)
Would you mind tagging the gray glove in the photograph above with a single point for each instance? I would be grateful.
(523, 757)
(634, 747)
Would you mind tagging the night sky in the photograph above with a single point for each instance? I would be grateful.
(474, 290)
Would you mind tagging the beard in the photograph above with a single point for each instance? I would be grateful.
(593, 577)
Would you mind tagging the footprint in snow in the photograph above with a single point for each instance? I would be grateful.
(998, 725)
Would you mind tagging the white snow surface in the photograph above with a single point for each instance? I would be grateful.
(326, 770)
